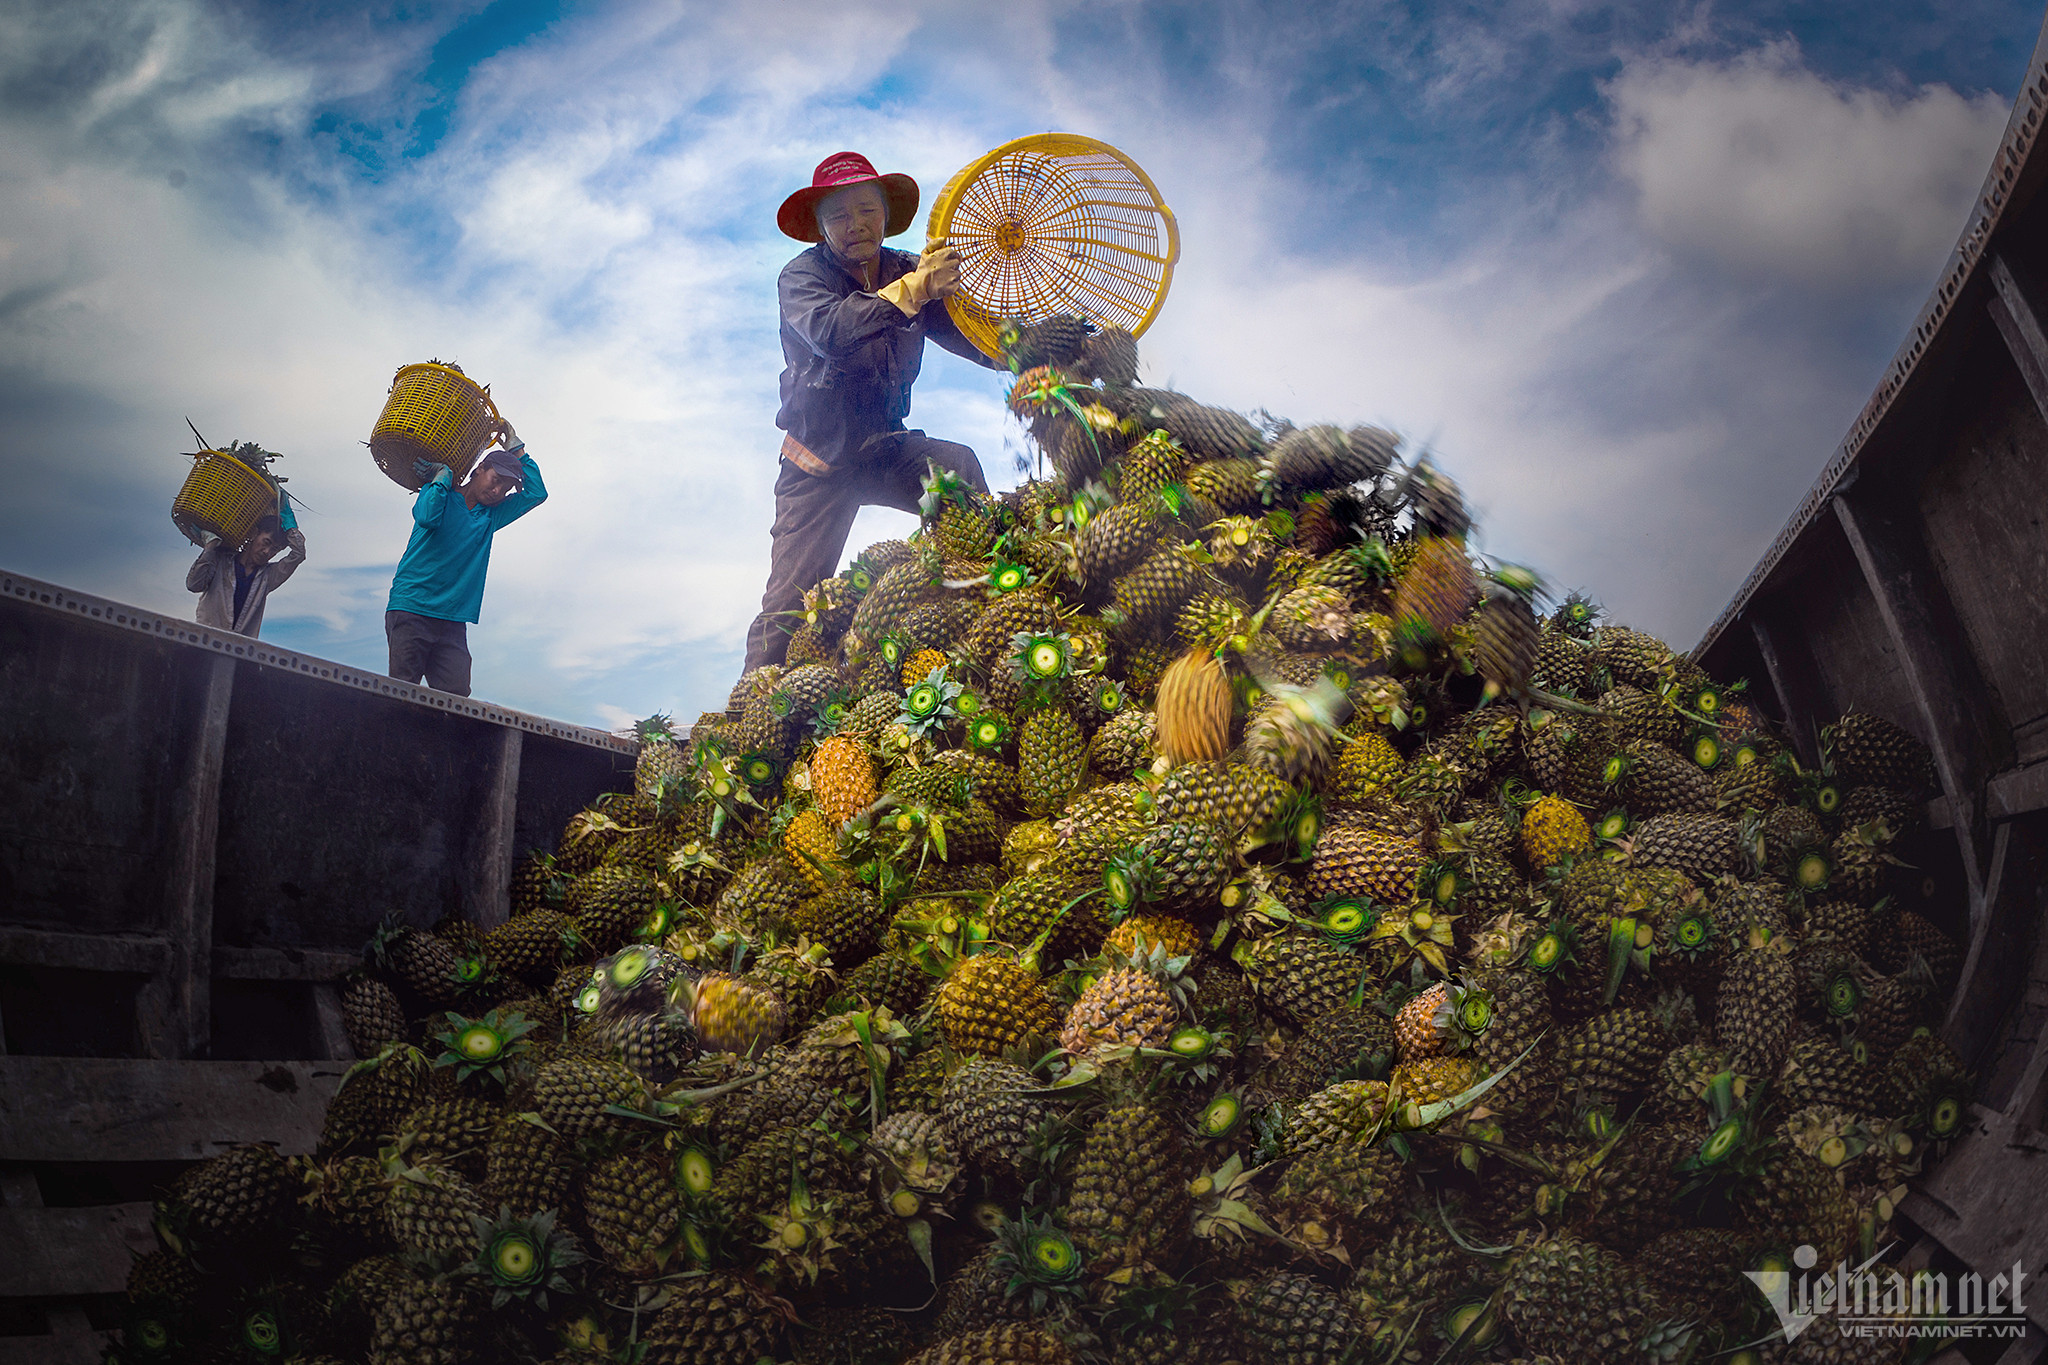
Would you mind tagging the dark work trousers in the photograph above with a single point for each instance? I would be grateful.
(428, 647)
(813, 513)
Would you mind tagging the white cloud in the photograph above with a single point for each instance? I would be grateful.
(1770, 170)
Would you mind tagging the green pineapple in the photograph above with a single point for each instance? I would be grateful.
(1128, 1205)
(1052, 760)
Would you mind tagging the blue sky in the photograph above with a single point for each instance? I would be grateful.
(1629, 269)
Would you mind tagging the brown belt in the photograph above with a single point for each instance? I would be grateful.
(798, 454)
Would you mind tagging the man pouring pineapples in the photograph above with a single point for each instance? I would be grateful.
(855, 317)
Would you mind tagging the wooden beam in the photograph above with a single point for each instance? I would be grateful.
(64, 1252)
(2019, 322)
(139, 954)
(1788, 659)
(490, 875)
(117, 1109)
(174, 1014)
(1959, 713)
(2019, 792)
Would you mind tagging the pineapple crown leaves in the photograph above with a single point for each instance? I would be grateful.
(1345, 920)
(1423, 929)
(1040, 662)
(1465, 1012)
(941, 487)
(655, 729)
(522, 1258)
(1553, 949)
(483, 1047)
(1223, 1197)
(930, 704)
(1006, 576)
(1041, 1263)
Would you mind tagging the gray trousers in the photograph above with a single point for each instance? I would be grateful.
(813, 515)
(428, 647)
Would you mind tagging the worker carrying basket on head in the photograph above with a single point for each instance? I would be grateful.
(855, 317)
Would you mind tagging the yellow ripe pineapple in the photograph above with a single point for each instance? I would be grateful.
(811, 843)
(1143, 933)
(842, 778)
(1553, 830)
(1433, 1079)
(1415, 1026)
(991, 1003)
(1125, 1007)
(920, 664)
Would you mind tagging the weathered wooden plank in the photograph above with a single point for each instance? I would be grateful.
(282, 964)
(2019, 322)
(2019, 792)
(109, 1109)
(140, 954)
(53, 1252)
(174, 1015)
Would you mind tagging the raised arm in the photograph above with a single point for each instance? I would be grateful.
(531, 494)
(200, 576)
(295, 554)
(433, 495)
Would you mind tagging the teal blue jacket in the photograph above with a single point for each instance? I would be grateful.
(442, 571)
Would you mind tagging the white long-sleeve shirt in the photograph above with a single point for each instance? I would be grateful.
(212, 575)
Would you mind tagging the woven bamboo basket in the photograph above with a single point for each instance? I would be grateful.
(222, 496)
(1055, 223)
(434, 412)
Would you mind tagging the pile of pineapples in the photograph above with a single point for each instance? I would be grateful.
(1189, 908)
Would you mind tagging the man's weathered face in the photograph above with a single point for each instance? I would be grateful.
(489, 487)
(262, 546)
(854, 221)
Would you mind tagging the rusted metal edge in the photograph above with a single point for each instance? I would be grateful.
(2022, 131)
(121, 616)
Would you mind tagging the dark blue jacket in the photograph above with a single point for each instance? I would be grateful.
(851, 356)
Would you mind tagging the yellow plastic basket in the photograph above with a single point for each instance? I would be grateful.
(222, 497)
(1055, 223)
(434, 412)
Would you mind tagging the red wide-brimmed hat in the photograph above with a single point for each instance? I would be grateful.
(798, 216)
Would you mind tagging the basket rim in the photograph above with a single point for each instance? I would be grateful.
(199, 455)
(483, 391)
(1056, 145)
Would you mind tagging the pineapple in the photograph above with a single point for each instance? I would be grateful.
(1126, 1007)
(842, 779)
(1052, 760)
(1576, 1300)
(1128, 1205)
(990, 1003)
(1357, 861)
(371, 1015)
(1552, 831)
(990, 1107)
(1287, 1318)
(1193, 709)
